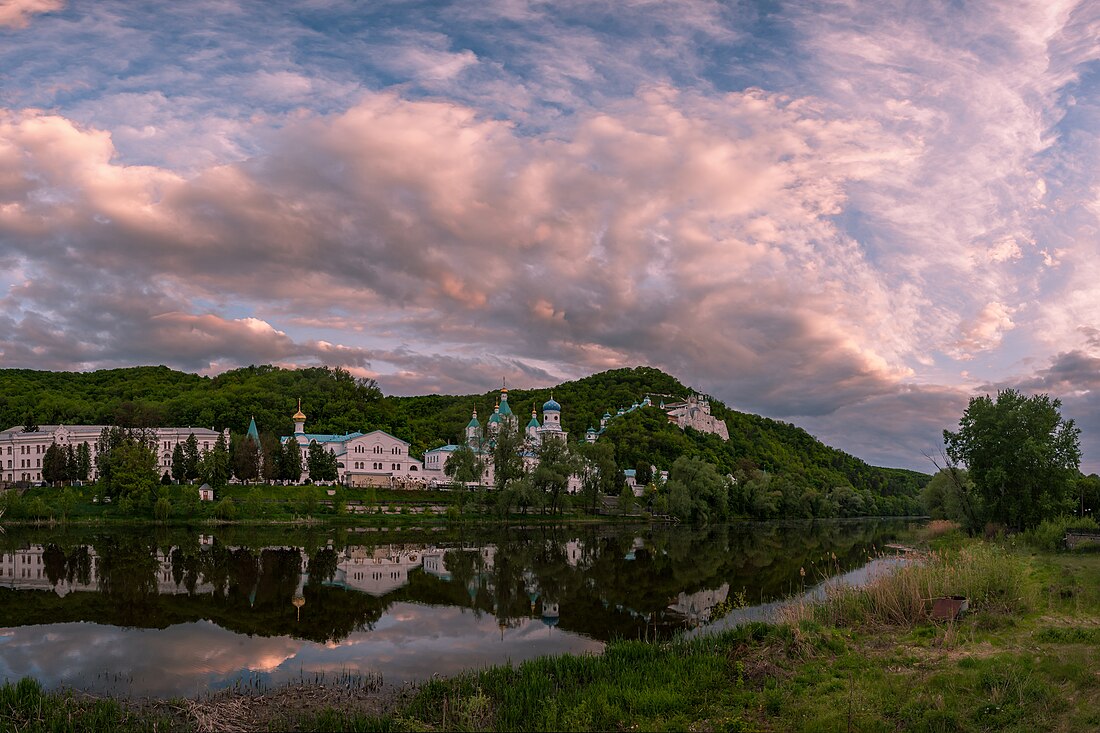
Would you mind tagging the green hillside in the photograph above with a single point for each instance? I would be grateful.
(336, 402)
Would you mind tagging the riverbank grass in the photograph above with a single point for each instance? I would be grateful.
(993, 580)
(24, 706)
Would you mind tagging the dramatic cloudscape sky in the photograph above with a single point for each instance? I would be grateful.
(849, 215)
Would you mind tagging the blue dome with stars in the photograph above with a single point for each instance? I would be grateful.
(551, 404)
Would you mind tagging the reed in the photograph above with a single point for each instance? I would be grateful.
(992, 578)
(937, 528)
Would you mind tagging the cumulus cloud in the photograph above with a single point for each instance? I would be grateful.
(668, 227)
(985, 331)
(18, 13)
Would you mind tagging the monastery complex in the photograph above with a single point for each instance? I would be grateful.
(375, 458)
(378, 458)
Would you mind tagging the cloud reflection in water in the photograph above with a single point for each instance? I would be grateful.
(411, 642)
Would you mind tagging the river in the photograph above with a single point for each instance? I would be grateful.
(178, 613)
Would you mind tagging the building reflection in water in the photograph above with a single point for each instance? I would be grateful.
(414, 608)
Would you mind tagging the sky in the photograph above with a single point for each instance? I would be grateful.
(852, 216)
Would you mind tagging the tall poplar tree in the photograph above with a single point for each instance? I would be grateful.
(191, 457)
(179, 464)
(215, 464)
(291, 463)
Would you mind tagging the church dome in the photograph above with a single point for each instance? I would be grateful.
(551, 404)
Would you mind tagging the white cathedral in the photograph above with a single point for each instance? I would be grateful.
(478, 438)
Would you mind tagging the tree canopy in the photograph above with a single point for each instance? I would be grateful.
(1021, 455)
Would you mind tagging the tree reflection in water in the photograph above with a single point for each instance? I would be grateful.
(602, 582)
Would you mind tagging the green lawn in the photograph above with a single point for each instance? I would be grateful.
(267, 503)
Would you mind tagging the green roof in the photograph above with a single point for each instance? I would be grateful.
(253, 432)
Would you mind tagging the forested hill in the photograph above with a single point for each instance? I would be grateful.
(336, 402)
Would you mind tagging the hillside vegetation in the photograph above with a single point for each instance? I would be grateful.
(336, 402)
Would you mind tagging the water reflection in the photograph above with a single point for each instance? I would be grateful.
(179, 613)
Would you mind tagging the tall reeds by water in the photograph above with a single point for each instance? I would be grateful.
(992, 578)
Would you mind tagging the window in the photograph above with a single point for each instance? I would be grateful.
(377, 449)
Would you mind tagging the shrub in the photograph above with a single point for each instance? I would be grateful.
(38, 509)
(225, 509)
(189, 506)
(1050, 533)
(253, 503)
(162, 509)
(65, 502)
(12, 504)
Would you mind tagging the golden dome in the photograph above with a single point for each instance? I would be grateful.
(299, 415)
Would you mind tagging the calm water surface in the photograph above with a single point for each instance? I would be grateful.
(179, 613)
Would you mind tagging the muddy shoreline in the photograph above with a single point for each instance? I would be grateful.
(282, 708)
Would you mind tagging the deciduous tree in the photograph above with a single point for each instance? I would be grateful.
(507, 461)
(464, 465)
(320, 463)
(290, 466)
(246, 459)
(1021, 455)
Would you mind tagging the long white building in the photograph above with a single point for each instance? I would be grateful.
(21, 454)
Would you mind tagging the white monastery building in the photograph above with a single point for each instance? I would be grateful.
(362, 459)
(21, 453)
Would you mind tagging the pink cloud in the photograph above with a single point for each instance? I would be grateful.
(18, 13)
